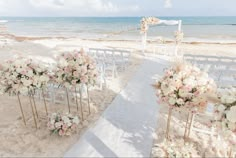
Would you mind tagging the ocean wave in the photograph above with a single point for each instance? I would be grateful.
(3, 21)
(208, 24)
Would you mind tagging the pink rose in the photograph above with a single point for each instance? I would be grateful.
(73, 82)
(23, 72)
(84, 79)
(61, 132)
(64, 127)
(76, 55)
(73, 127)
(76, 73)
(67, 70)
(51, 127)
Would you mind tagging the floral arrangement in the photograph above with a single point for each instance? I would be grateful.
(179, 36)
(184, 86)
(174, 149)
(21, 75)
(148, 21)
(75, 68)
(225, 115)
(63, 124)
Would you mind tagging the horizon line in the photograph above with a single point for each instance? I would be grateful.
(116, 16)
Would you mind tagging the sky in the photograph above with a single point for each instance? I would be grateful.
(117, 8)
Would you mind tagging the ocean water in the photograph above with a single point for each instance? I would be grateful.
(121, 28)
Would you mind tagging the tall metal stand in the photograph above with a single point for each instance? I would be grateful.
(21, 109)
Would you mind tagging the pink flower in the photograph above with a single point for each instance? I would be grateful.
(64, 127)
(76, 73)
(73, 82)
(51, 127)
(84, 79)
(67, 70)
(159, 101)
(23, 72)
(73, 127)
(61, 132)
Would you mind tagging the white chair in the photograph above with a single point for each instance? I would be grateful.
(160, 49)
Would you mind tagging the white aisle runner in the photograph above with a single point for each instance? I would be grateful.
(127, 126)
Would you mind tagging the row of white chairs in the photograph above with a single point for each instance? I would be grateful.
(221, 69)
(58, 95)
(110, 62)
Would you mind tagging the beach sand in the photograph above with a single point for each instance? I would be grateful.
(17, 140)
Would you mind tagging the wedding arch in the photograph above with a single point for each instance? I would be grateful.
(150, 21)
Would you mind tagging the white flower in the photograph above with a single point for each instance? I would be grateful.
(62, 62)
(180, 101)
(30, 73)
(52, 121)
(58, 124)
(68, 124)
(231, 114)
(23, 90)
(44, 78)
(221, 108)
(231, 126)
(71, 63)
(172, 101)
(65, 119)
(190, 81)
(228, 99)
(76, 120)
(26, 82)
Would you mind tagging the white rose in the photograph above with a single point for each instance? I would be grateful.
(231, 126)
(19, 70)
(189, 81)
(180, 101)
(184, 93)
(44, 78)
(227, 99)
(172, 101)
(65, 119)
(63, 62)
(231, 114)
(35, 80)
(71, 63)
(221, 108)
(26, 82)
(23, 90)
(76, 120)
(38, 69)
(52, 121)
(68, 124)
(195, 101)
(30, 73)
(58, 124)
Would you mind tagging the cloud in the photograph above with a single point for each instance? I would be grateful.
(65, 8)
(82, 5)
(168, 4)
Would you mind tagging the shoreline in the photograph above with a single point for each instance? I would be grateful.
(169, 41)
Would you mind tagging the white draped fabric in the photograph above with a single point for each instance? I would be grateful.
(169, 22)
